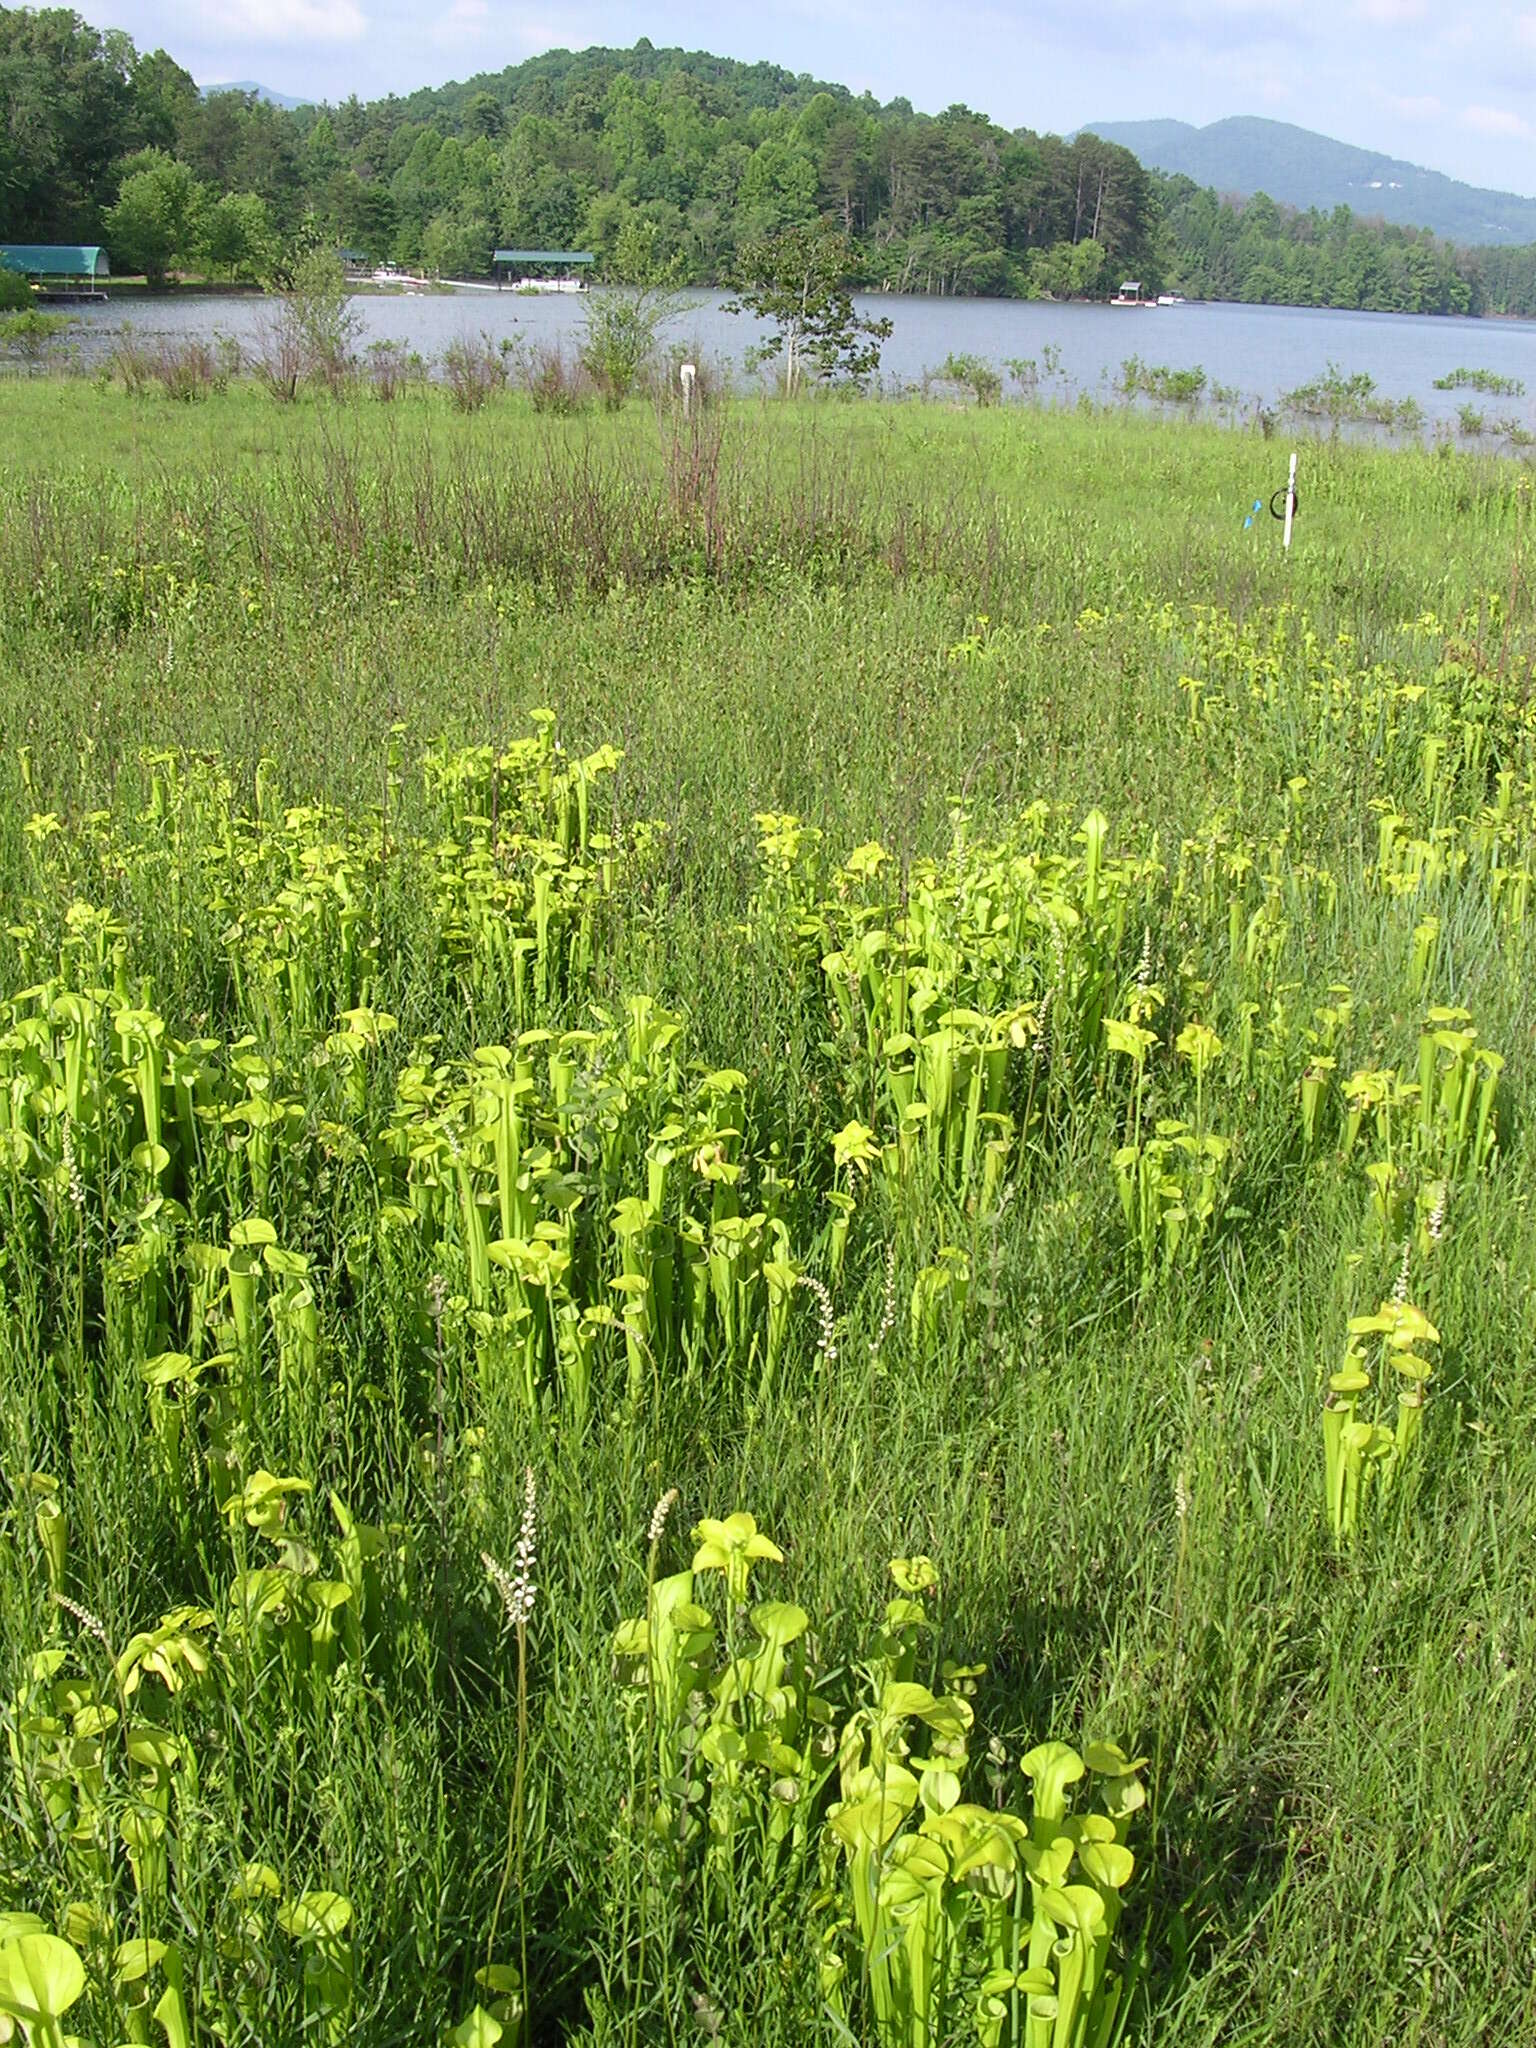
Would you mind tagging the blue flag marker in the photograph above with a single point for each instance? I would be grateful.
(1258, 507)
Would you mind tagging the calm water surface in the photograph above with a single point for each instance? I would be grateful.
(1260, 351)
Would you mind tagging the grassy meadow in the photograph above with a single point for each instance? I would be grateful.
(765, 1232)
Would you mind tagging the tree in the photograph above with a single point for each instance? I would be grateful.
(624, 320)
(452, 246)
(155, 223)
(1086, 268)
(1067, 271)
(164, 96)
(795, 280)
(67, 115)
(313, 334)
(778, 191)
(484, 115)
(319, 305)
(847, 169)
(238, 237)
(361, 213)
(562, 151)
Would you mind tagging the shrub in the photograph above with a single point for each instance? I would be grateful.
(474, 369)
(1352, 399)
(619, 341)
(555, 384)
(278, 359)
(981, 378)
(133, 363)
(624, 323)
(187, 370)
(390, 367)
(312, 335)
(1488, 381)
(26, 337)
(1160, 380)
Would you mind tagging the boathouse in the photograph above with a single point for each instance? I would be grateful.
(541, 269)
(59, 270)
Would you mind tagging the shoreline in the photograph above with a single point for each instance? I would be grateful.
(135, 289)
(1243, 416)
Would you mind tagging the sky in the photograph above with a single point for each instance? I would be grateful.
(1451, 87)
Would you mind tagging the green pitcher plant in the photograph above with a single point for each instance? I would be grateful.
(1363, 1455)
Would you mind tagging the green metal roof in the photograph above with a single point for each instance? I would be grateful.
(543, 256)
(55, 259)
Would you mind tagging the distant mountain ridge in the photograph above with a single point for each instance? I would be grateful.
(262, 92)
(1246, 154)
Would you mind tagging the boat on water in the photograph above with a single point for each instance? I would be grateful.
(1131, 294)
(1172, 299)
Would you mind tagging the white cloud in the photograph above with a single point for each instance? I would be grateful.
(1497, 121)
(1392, 13)
(289, 21)
(1416, 107)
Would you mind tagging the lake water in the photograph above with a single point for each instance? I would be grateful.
(1259, 351)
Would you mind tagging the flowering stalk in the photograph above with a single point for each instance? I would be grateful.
(517, 1589)
(826, 1340)
(888, 1308)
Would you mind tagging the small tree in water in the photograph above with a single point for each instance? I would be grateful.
(318, 305)
(27, 337)
(795, 279)
(313, 334)
(624, 320)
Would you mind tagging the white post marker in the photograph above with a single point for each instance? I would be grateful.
(687, 373)
(1290, 501)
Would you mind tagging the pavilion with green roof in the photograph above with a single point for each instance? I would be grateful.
(59, 269)
(525, 263)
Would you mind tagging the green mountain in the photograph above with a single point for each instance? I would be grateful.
(1293, 165)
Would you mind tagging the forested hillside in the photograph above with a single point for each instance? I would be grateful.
(101, 142)
(1301, 168)
(1271, 255)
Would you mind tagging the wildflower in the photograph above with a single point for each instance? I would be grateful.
(659, 1515)
(1400, 1291)
(888, 1307)
(517, 1586)
(1043, 1029)
(72, 1178)
(92, 1624)
(826, 1342)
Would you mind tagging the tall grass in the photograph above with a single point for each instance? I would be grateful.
(906, 627)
